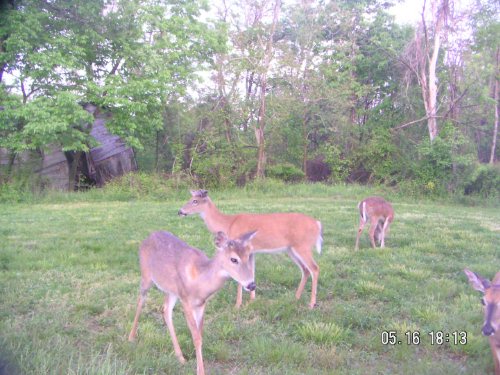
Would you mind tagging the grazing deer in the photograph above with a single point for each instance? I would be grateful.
(294, 233)
(183, 272)
(491, 302)
(380, 213)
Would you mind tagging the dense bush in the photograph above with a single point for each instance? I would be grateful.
(338, 166)
(285, 172)
(484, 181)
(137, 185)
(22, 187)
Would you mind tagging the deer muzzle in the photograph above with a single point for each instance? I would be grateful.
(251, 287)
(488, 328)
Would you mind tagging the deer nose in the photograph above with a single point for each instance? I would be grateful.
(488, 330)
(181, 213)
(251, 286)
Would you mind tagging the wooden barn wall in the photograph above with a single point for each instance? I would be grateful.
(50, 165)
(55, 169)
(111, 158)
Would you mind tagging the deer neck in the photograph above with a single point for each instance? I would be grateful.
(211, 277)
(215, 220)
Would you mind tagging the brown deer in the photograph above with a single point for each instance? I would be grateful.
(491, 302)
(183, 272)
(380, 213)
(294, 233)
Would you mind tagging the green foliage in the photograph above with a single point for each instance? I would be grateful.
(132, 58)
(285, 172)
(337, 162)
(379, 157)
(44, 121)
(335, 90)
(23, 188)
(142, 185)
(445, 164)
(484, 181)
(214, 171)
(434, 165)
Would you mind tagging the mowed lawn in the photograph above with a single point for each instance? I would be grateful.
(69, 279)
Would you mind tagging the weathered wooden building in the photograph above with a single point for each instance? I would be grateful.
(65, 170)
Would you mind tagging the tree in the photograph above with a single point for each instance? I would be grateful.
(129, 57)
(480, 79)
(487, 37)
(422, 57)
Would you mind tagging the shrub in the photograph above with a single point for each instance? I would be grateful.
(214, 172)
(23, 187)
(285, 172)
(141, 184)
(318, 169)
(484, 181)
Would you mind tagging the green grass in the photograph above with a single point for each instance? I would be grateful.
(69, 279)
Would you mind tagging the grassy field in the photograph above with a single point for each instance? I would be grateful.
(69, 279)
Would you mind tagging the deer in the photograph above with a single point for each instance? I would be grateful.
(380, 213)
(491, 303)
(293, 233)
(186, 273)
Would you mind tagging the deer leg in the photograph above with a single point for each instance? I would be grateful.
(362, 224)
(304, 271)
(252, 262)
(378, 233)
(194, 318)
(304, 254)
(239, 296)
(239, 292)
(373, 228)
(145, 285)
(495, 350)
(383, 232)
(168, 307)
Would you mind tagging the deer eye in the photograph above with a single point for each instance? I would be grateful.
(234, 260)
(195, 201)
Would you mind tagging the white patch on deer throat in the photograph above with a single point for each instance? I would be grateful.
(224, 273)
(275, 250)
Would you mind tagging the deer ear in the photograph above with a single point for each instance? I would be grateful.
(476, 281)
(220, 240)
(199, 193)
(247, 237)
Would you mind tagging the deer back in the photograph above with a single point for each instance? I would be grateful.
(170, 262)
(277, 230)
(376, 207)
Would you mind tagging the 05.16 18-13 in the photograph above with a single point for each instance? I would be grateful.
(414, 337)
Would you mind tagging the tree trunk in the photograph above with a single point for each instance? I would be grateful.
(157, 152)
(305, 120)
(10, 165)
(427, 53)
(432, 83)
(495, 125)
(259, 130)
(440, 12)
(73, 159)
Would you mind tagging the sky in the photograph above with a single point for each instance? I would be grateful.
(408, 11)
